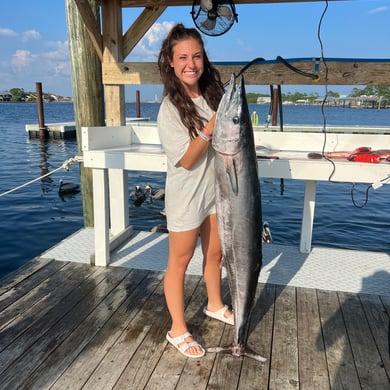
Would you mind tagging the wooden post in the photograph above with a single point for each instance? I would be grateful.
(275, 108)
(88, 99)
(138, 104)
(115, 111)
(43, 132)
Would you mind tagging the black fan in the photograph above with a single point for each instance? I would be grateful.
(213, 17)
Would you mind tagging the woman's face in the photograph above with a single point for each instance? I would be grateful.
(187, 63)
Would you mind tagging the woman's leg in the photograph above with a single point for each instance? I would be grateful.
(212, 255)
(181, 249)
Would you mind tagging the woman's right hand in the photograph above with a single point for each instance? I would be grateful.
(211, 123)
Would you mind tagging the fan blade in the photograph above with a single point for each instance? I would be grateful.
(224, 11)
(206, 5)
(209, 24)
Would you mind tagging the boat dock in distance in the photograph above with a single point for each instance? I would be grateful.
(66, 130)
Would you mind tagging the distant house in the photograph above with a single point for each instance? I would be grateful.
(5, 96)
(263, 100)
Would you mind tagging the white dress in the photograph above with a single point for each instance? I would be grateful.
(189, 194)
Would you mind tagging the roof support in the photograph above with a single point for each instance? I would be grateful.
(91, 25)
(139, 28)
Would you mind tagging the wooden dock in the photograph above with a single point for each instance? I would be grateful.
(65, 130)
(68, 325)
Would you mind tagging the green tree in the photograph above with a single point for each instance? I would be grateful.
(18, 94)
(333, 94)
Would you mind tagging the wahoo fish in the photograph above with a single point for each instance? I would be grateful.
(238, 204)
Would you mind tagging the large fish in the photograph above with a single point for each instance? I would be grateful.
(238, 203)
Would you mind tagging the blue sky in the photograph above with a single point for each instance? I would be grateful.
(34, 46)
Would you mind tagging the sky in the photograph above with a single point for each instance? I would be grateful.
(34, 41)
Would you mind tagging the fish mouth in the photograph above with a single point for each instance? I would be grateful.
(226, 146)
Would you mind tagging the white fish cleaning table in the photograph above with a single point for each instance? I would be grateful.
(113, 151)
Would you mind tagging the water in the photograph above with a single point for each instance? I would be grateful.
(35, 218)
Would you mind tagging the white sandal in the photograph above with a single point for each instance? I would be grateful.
(220, 315)
(176, 341)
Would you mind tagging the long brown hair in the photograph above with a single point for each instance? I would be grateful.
(210, 83)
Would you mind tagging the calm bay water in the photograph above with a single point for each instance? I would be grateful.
(35, 217)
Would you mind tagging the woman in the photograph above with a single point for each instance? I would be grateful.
(192, 91)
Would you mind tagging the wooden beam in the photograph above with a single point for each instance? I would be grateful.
(188, 3)
(91, 25)
(138, 29)
(112, 54)
(339, 72)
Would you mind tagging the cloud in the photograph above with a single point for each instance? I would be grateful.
(29, 35)
(60, 50)
(50, 64)
(379, 9)
(6, 32)
(149, 46)
(22, 59)
(25, 36)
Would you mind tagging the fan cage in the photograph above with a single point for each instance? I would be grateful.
(214, 21)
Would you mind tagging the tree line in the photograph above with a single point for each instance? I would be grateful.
(20, 95)
(370, 90)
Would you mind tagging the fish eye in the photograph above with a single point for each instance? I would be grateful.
(236, 120)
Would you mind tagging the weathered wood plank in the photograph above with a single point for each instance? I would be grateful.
(143, 362)
(105, 328)
(284, 358)
(255, 375)
(89, 358)
(312, 361)
(179, 372)
(112, 365)
(19, 290)
(62, 356)
(116, 363)
(378, 320)
(14, 278)
(367, 359)
(342, 72)
(22, 318)
(35, 345)
(341, 367)
(37, 295)
(188, 3)
(226, 370)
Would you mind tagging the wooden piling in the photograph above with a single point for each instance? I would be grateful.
(43, 131)
(87, 89)
(275, 108)
(138, 104)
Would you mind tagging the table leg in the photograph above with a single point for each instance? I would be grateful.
(101, 212)
(308, 216)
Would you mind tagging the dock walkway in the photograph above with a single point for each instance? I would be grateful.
(67, 325)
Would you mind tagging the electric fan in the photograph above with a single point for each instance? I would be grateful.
(213, 17)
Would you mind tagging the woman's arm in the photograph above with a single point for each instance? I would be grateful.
(198, 147)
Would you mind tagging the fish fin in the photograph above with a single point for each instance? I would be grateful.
(247, 352)
(232, 173)
(254, 355)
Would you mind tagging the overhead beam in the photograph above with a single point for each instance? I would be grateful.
(188, 3)
(332, 72)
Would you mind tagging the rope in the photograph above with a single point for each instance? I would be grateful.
(65, 166)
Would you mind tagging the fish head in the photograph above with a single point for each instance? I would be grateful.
(232, 119)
